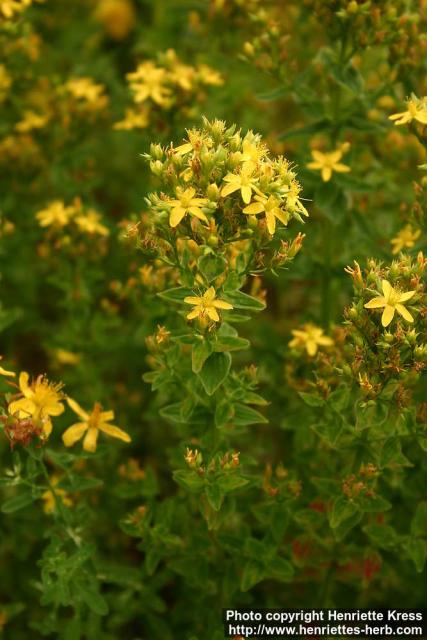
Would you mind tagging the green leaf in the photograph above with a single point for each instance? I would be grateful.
(214, 371)
(80, 483)
(18, 502)
(202, 349)
(281, 569)
(342, 510)
(228, 483)
(211, 266)
(311, 399)
(419, 521)
(307, 130)
(382, 536)
(189, 479)
(177, 294)
(417, 551)
(373, 504)
(94, 600)
(252, 574)
(230, 343)
(173, 412)
(241, 300)
(214, 496)
(224, 413)
(244, 415)
(73, 629)
(274, 94)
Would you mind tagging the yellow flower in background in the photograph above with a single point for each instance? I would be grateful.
(186, 202)
(92, 423)
(148, 82)
(89, 222)
(118, 17)
(5, 81)
(405, 238)
(327, 163)
(85, 89)
(40, 400)
(417, 110)
(30, 121)
(55, 214)
(271, 208)
(206, 305)
(49, 499)
(391, 301)
(63, 356)
(243, 182)
(310, 337)
(207, 75)
(134, 120)
(8, 8)
(5, 372)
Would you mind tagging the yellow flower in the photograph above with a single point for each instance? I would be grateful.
(391, 301)
(30, 121)
(196, 140)
(147, 82)
(184, 203)
(134, 120)
(207, 75)
(92, 423)
(9, 7)
(66, 357)
(40, 400)
(85, 89)
(310, 338)
(245, 181)
(417, 110)
(271, 207)
(5, 81)
(5, 372)
(89, 222)
(55, 214)
(327, 163)
(252, 150)
(49, 498)
(406, 237)
(206, 305)
(117, 17)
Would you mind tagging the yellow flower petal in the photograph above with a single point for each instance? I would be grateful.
(22, 408)
(387, 316)
(246, 192)
(77, 409)
(254, 208)
(222, 304)
(387, 288)
(406, 296)
(23, 384)
(176, 216)
(4, 372)
(404, 312)
(90, 440)
(74, 433)
(213, 315)
(376, 303)
(114, 432)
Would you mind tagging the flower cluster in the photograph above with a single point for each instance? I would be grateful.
(163, 85)
(73, 219)
(37, 401)
(225, 182)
